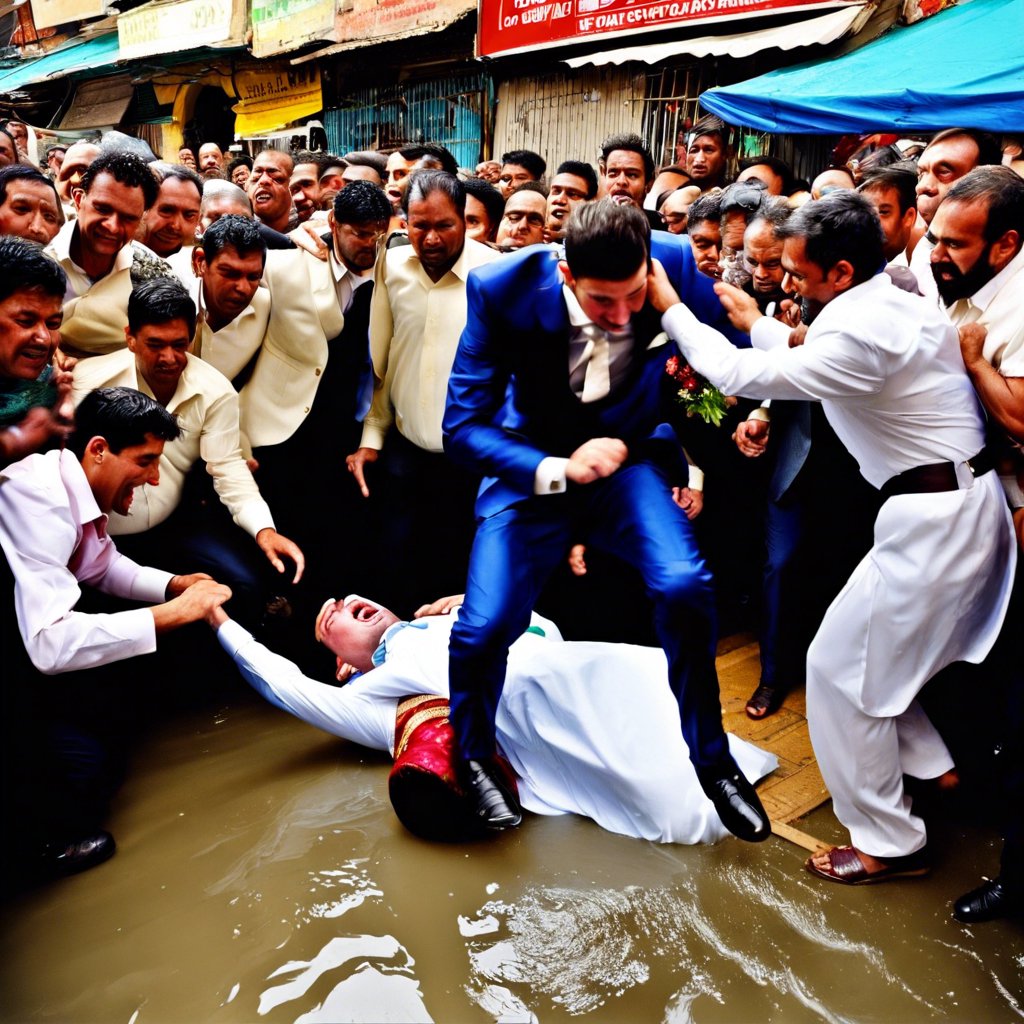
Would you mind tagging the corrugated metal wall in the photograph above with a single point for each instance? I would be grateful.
(566, 117)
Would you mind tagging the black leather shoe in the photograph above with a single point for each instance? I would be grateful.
(988, 902)
(78, 854)
(494, 801)
(738, 806)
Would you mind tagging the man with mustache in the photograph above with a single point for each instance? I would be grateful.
(978, 264)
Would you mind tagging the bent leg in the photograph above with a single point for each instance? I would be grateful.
(632, 515)
(513, 554)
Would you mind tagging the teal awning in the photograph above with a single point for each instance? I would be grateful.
(93, 55)
(963, 66)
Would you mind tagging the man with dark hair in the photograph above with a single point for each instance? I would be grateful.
(305, 182)
(704, 233)
(424, 503)
(707, 155)
(35, 411)
(237, 172)
(574, 182)
(627, 170)
(949, 155)
(519, 166)
(404, 160)
(228, 263)
(310, 387)
(171, 221)
(893, 192)
(484, 207)
(523, 218)
(63, 740)
(170, 525)
(580, 452)
(978, 263)
(934, 588)
(29, 205)
(269, 190)
(775, 173)
(363, 166)
(99, 254)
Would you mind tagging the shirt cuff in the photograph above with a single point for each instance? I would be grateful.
(768, 333)
(150, 585)
(695, 478)
(760, 413)
(373, 436)
(232, 636)
(550, 476)
(254, 516)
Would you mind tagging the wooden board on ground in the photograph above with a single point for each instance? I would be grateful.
(795, 788)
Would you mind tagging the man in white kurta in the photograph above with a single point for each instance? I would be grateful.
(934, 588)
(589, 728)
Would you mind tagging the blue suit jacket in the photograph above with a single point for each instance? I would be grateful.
(509, 400)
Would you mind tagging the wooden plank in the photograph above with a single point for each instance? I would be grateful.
(794, 835)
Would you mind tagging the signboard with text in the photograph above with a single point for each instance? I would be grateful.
(163, 27)
(365, 21)
(516, 26)
(50, 13)
(279, 26)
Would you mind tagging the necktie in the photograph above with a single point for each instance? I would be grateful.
(597, 382)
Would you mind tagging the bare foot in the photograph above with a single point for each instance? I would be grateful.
(823, 860)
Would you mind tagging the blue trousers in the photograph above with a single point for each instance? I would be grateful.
(630, 514)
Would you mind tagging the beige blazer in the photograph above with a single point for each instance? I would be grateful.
(304, 316)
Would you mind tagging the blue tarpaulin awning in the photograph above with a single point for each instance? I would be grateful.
(963, 66)
(92, 55)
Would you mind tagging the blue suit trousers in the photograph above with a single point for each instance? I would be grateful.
(630, 514)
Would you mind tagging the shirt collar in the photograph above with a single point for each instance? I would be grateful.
(61, 246)
(577, 318)
(984, 295)
(341, 271)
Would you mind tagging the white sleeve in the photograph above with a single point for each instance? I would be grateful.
(834, 366)
(354, 711)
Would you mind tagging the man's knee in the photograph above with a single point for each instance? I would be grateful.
(684, 585)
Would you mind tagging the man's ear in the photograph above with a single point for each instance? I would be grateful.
(198, 261)
(97, 447)
(566, 273)
(842, 275)
(1003, 249)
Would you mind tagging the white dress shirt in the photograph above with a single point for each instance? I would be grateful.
(415, 326)
(576, 750)
(206, 406)
(230, 349)
(55, 538)
(885, 364)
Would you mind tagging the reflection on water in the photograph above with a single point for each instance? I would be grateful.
(261, 876)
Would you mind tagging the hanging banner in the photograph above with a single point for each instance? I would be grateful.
(516, 26)
(50, 13)
(168, 26)
(271, 98)
(279, 26)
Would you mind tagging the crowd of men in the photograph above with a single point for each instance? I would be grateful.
(229, 388)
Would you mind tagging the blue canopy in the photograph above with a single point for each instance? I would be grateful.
(963, 66)
(92, 55)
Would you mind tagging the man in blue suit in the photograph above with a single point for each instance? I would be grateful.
(554, 399)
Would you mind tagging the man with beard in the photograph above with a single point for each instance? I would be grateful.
(978, 263)
(935, 586)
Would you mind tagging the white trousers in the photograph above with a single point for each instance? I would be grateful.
(932, 590)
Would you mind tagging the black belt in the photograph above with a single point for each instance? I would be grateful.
(938, 476)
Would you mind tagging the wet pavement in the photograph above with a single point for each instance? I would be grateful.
(261, 876)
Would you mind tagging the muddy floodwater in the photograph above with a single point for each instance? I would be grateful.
(261, 876)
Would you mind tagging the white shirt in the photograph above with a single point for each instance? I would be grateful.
(55, 537)
(885, 365)
(346, 281)
(415, 326)
(206, 406)
(999, 307)
(230, 349)
(921, 265)
(575, 749)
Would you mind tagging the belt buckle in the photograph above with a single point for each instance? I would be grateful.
(964, 475)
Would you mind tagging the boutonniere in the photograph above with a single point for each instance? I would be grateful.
(697, 395)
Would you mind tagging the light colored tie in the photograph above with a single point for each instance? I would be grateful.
(597, 382)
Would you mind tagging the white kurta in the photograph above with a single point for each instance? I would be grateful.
(590, 728)
(934, 588)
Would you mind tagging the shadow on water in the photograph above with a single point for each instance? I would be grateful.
(261, 876)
